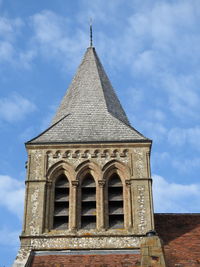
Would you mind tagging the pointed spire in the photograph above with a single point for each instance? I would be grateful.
(91, 44)
(90, 110)
(91, 91)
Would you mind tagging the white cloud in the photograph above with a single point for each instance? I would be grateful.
(148, 39)
(156, 115)
(10, 241)
(48, 26)
(182, 136)
(183, 94)
(161, 158)
(6, 51)
(161, 41)
(154, 40)
(167, 40)
(133, 97)
(145, 62)
(10, 51)
(52, 38)
(9, 30)
(187, 165)
(12, 195)
(177, 136)
(9, 237)
(26, 58)
(154, 130)
(15, 107)
(46, 121)
(97, 11)
(174, 197)
(28, 133)
(162, 22)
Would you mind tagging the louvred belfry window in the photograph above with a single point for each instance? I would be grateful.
(115, 202)
(61, 203)
(88, 203)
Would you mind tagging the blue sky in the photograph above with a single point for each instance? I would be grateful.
(151, 52)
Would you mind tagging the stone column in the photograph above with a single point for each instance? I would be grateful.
(73, 205)
(129, 216)
(49, 208)
(101, 215)
(41, 205)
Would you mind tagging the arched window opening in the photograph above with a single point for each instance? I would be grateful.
(61, 203)
(115, 202)
(88, 203)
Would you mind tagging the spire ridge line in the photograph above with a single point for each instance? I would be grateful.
(91, 41)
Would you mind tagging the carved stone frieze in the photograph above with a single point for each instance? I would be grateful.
(85, 242)
(76, 157)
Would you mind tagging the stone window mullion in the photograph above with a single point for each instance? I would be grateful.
(49, 209)
(101, 204)
(73, 207)
(128, 218)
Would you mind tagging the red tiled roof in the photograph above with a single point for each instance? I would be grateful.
(181, 236)
(107, 260)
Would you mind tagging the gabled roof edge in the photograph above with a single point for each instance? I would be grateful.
(28, 142)
(131, 127)
(91, 142)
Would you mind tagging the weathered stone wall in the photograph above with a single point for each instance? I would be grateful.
(152, 252)
(130, 161)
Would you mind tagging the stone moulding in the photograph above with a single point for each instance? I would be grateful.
(85, 242)
(114, 153)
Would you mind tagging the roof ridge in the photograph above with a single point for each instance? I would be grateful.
(98, 62)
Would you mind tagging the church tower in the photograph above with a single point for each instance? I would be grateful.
(88, 185)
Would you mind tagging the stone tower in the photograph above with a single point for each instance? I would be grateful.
(88, 183)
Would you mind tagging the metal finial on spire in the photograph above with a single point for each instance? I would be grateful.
(90, 32)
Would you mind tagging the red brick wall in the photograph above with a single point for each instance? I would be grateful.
(181, 236)
(86, 261)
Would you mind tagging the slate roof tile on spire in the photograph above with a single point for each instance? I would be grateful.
(90, 111)
(91, 91)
